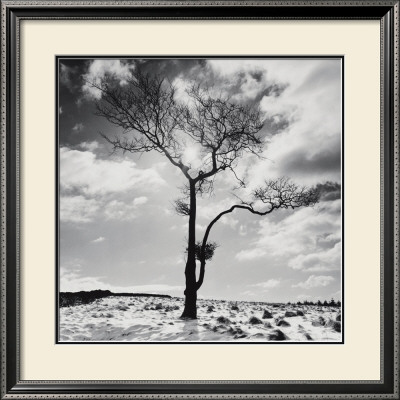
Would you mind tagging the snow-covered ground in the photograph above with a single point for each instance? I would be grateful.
(153, 319)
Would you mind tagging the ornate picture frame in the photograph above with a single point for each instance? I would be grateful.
(13, 347)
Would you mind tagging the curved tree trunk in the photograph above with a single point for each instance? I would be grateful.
(190, 310)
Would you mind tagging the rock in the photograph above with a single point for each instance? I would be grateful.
(224, 320)
(210, 309)
(220, 328)
(319, 322)
(122, 308)
(267, 314)
(336, 325)
(257, 335)
(300, 313)
(290, 314)
(307, 336)
(277, 335)
(158, 306)
(255, 321)
(236, 331)
(240, 336)
(316, 323)
(305, 333)
(339, 317)
(267, 325)
(282, 322)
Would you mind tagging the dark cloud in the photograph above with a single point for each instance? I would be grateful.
(329, 191)
(274, 90)
(70, 74)
(275, 125)
(171, 68)
(325, 161)
(258, 75)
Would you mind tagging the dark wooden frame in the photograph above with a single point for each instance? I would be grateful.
(387, 12)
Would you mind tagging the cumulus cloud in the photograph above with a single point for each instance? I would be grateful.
(72, 280)
(251, 254)
(83, 170)
(209, 208)
(124, 211)
(315, 281)
(140, 201)
(90, 146)
(99, 69)
(300, 100)
(320, 261)
(306, 113)
(77, 127)
(99, 239)
(302, 231)
(229, 221)
(269, 284)
(78, 209)
(89, 186)
(239, 80)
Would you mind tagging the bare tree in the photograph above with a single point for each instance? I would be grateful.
(151, 119)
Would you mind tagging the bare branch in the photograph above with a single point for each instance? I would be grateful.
(146, 111)
(151, 119)
(276, 194)
(182, 207)
(224, 129)
(282, 193)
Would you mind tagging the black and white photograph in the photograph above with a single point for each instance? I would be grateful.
(200, 199)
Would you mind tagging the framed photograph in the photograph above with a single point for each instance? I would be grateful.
(222, 117)
(199, 200)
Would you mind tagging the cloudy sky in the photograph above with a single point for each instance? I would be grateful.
(118, 229)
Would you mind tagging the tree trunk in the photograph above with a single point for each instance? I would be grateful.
(190, 310)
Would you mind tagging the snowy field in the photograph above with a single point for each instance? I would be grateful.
(153, 319)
